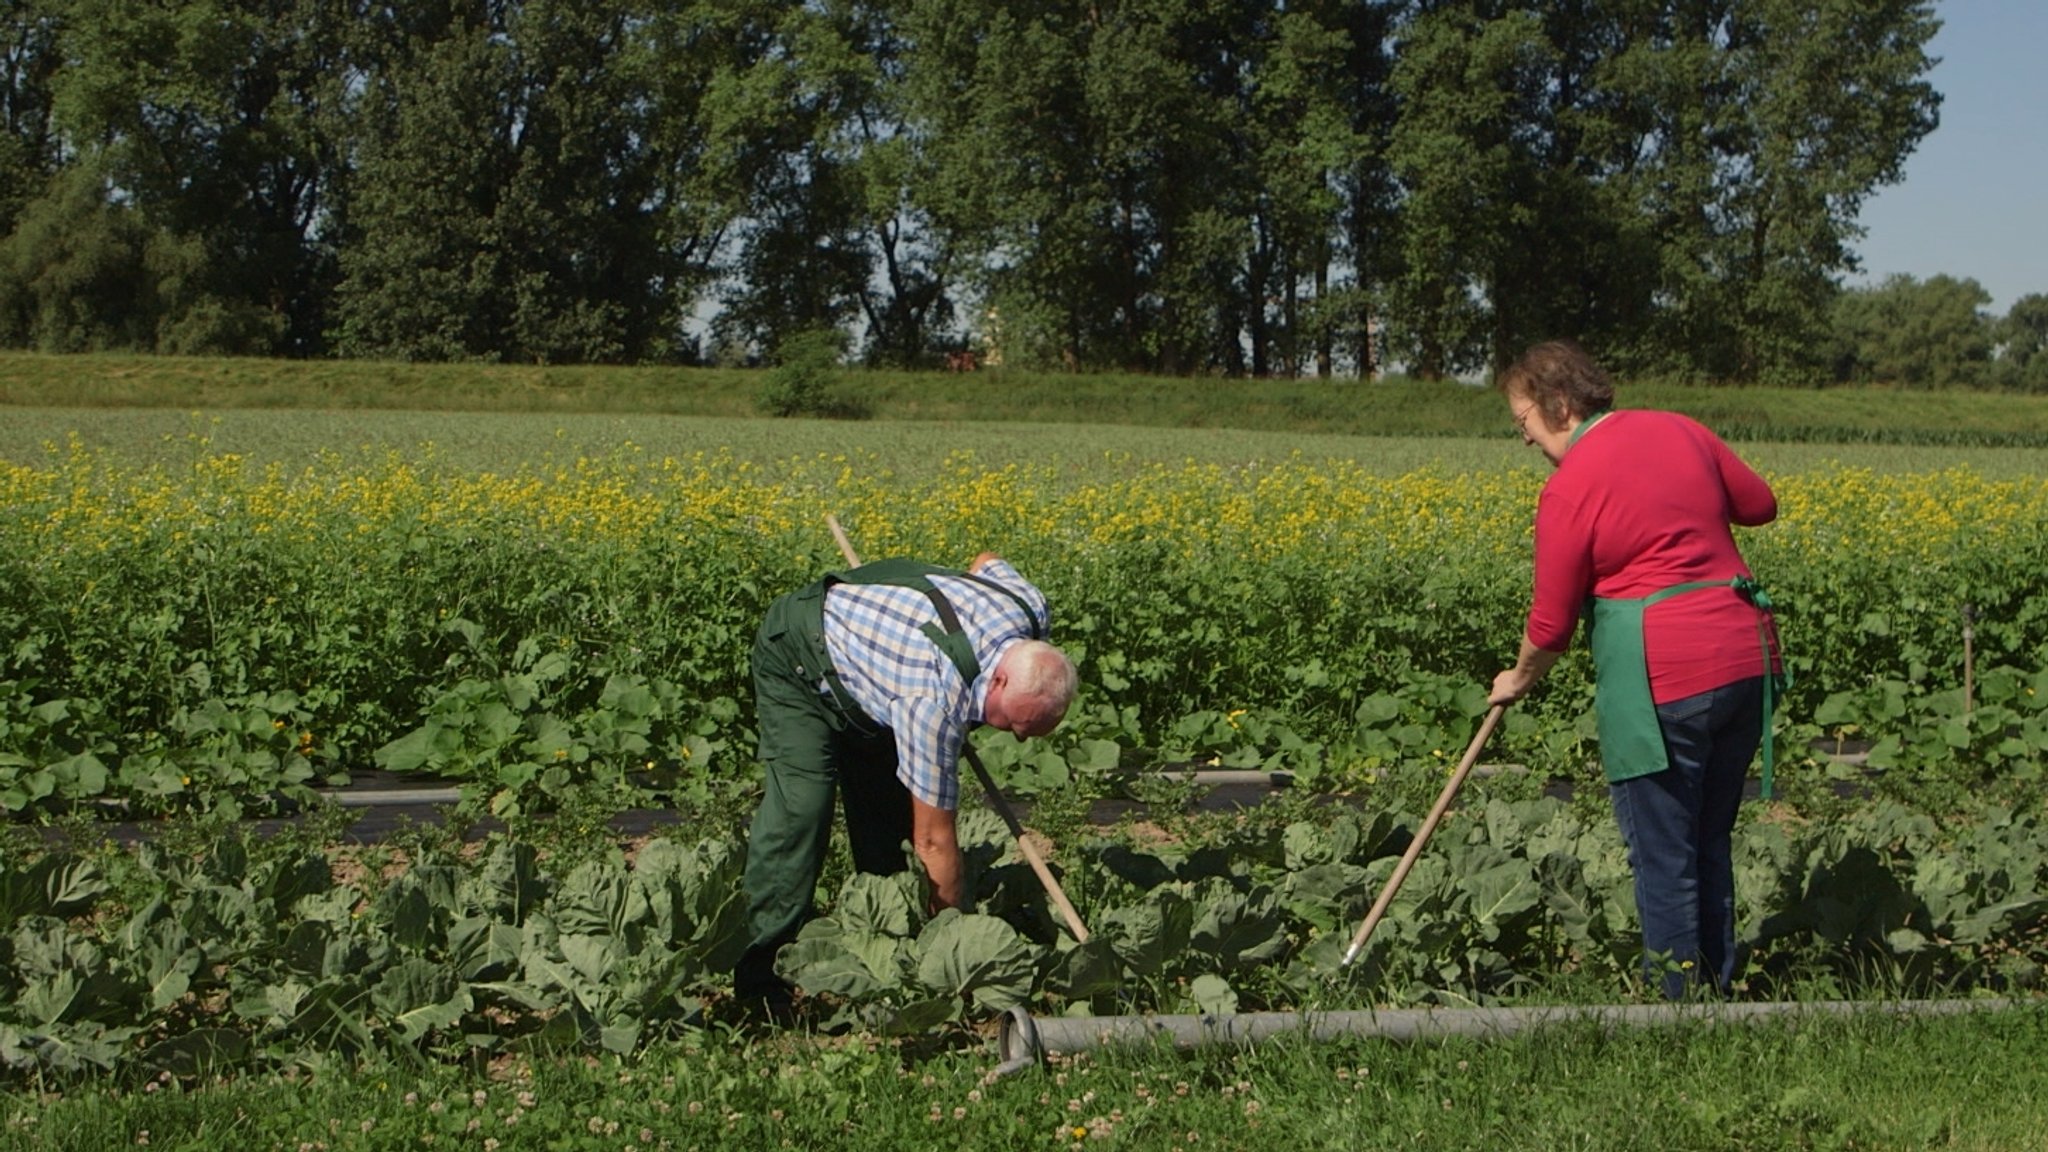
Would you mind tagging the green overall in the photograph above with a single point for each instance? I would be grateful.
(1631, 738)
(815, 741)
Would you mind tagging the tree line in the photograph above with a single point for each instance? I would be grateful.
(1936, 333)
(1241, 187)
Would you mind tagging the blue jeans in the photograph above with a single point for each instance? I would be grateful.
(1678, 825)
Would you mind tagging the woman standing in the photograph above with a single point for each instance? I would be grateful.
(1633, 527)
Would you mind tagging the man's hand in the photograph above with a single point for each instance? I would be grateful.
(983, 561)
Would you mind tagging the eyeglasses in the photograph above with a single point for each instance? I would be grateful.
(1522, 416)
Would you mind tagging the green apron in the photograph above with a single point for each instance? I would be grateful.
(1631, 738)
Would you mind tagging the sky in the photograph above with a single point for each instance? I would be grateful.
(1974, 201)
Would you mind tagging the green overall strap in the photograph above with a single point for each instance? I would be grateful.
(953, 640)
(1038, 626)
(946, 635)
(950, 637)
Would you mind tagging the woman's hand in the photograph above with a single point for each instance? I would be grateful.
(1516, 682)
(1511, 686)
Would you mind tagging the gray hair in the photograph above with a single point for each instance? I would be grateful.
(1039, 671)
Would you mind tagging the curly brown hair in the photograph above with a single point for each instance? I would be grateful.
(1561, 378)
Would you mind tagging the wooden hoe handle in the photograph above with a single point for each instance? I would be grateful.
(1443, 804)
(1024, 845)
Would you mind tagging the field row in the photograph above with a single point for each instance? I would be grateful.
(906, 450)
(213, 631)
(201, 955)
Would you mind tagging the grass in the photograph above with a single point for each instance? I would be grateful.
(1866, 1082)
(1396, 407)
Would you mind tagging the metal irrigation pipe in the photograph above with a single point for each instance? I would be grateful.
(1023, 1039)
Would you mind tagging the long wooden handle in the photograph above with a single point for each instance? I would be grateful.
(1408, 858)
(845, 545)
(988, 787)
(1024, 845)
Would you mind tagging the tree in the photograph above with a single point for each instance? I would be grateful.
(219, 121)
(1301, 140)
(1913, 333)
(1087, 157)
(2023, 343)
(779, 144)
(1577, 257)
(29, 59)
(906, 287)
(422, 274)
(1804, 108)
(73, 271)
(507, 204)
(1187, 186)
(1460, 149)
(690, 52)
(1369, 240)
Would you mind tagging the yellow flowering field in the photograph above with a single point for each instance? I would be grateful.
(224, 620)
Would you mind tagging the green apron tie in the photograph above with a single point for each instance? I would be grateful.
(1775, 680)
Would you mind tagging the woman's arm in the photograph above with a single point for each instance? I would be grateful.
(1751, 502)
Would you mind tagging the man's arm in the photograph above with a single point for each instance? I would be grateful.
(935, 835)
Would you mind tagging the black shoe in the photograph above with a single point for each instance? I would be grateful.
(754, 978)
(779, 1012)
(761, 995)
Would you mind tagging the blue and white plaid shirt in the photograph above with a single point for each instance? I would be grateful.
(901, 679)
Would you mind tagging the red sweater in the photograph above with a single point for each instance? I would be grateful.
(1643, 501)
